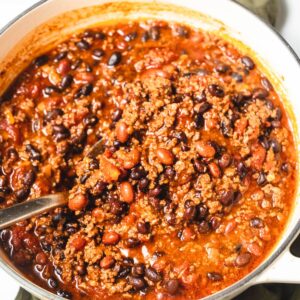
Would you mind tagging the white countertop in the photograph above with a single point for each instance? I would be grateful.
(11, 8)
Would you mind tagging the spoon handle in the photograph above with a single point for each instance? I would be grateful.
(31, 208)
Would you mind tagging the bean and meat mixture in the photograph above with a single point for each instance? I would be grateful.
(196, 179)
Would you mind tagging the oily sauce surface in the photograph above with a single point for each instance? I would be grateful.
(196, 181)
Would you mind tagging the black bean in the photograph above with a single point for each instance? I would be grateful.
(243, 259)
(64, 294)
(153, 275)
(138, 172)
(33, 152)
(278, 114)
(214, 276)
(85, 90)
(237, 77)
(199, 121)
(117, 115)
(260, 93)
(145, 37)
(60, 132)
(143, 184)
(128, 261)
(84, 178)
(180, 136)
(100, 35)
(199, 98)
(204, 227)
(29, 178)
(94, 164)
(53, 114)
(222, 68)
(275, 146)
(114, 59)
(12, 153)
(132, 242)
(200, 166)
(83, 45)
(215, 222)
(22, 193)
(156, 191)
(264, 142)
(130, 36)
(90, 120)
(138, 270)
(98, 189)
(52, 283)
(98, 53)
(143, 227)
(262, 179)
(226, 197)
(216, 90)
(266, 84)
(81, 270)
(242, 170)
(60, 56)
(256, 223)
(123, 272)
(226, 128)
(202, 211)
(154, 33)
(137, 283)
(170, 172)
(285, 167)
(190, 213)
(172, 286)
(2, 198)
(41, 60)
(66, 81)
(248, 62)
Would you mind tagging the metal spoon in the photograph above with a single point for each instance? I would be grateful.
(31, 208)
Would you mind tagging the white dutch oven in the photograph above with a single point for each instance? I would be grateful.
(28, 36)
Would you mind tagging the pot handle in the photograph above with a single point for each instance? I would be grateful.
(283, 270)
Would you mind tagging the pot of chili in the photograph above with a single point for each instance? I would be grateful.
(196, 193)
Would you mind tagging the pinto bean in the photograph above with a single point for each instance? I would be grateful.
(165, 156)
(132, 159)
(243, 259)
(78, 243)
(204, 149)
(214, 170)
(110, 238)
(126, 192)
(78, 202)
(122, 132)
(153, 275)
(107, 262)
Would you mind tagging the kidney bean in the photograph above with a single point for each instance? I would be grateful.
(107, 262)
(165, 156)
(242, 170)
(214, 170)
(248, 62)
(225, 160)
(110, 238)
(216, 90)
(114, 59)
(122, 132)
(172, 286)
(78, 202)
(153, 275)
(143, 184)
(190, 212)
(205, 149)
(63, 67)
(227, 197)
(215, 222)
(214, 276)
(78, 243)
(243, 259)
(137, 283)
